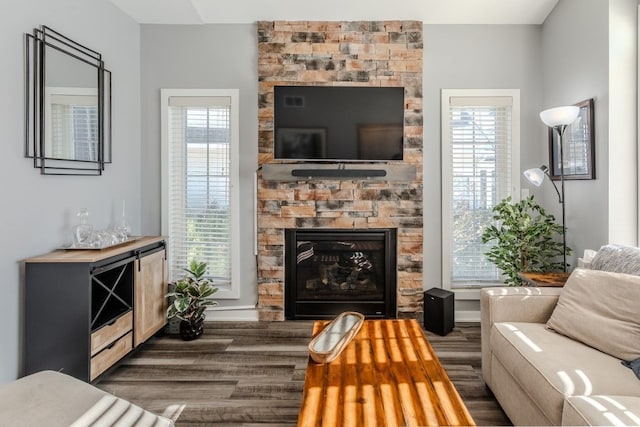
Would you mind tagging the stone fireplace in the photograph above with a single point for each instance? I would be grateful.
(363, 53)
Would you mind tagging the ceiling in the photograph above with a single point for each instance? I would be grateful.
(247, 11)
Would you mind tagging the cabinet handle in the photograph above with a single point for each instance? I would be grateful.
(138, 260)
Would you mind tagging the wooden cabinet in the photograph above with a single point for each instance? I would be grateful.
(87, 309)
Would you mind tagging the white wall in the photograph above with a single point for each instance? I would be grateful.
(474, 57)
(575, 46)
(38, 211)
(623, 149)
(203, 57)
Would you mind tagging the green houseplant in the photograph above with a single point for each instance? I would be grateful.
(525, 239)
(190, 300)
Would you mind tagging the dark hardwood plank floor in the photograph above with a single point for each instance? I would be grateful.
(252, 373)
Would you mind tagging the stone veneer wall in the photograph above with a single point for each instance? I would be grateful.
(379, 53)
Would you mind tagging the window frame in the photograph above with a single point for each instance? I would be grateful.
(447, 168)
(233, 290)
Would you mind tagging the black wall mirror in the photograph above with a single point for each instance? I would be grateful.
(68, 105)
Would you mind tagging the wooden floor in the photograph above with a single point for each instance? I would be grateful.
(252, 373)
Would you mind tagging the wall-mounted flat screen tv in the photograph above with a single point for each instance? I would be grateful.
(335, 123)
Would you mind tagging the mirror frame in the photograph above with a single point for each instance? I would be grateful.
(44, 40)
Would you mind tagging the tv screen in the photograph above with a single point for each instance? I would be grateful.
(338, 123)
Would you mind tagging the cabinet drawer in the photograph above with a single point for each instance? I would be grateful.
(104, 336)
(107, 357)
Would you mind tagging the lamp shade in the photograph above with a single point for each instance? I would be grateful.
(535, 175)
(560, 115)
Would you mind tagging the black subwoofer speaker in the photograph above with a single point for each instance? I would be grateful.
(439, 311)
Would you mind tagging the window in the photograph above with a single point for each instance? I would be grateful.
(480, 167)
(199, 176)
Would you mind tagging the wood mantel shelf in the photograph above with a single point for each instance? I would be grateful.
(545, 279)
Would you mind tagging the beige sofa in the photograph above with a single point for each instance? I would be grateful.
(542, 377)
(53, 399)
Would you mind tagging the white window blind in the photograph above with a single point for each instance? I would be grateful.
(71, 123)
(74, 132)
(478, 166)
(199, 185)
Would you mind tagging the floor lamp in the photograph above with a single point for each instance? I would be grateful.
(557, 119)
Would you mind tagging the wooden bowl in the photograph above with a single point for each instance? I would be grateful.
(335, 336)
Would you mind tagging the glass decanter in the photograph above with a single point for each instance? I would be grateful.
(84, 230)
(121, 227)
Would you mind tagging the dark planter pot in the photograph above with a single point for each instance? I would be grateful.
(191, 330)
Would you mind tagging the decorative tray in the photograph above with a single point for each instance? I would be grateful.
(78, 247)
(335, 336)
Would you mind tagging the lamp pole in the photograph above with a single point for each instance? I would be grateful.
(560, 129)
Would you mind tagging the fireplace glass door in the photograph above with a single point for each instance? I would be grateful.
(331, 271)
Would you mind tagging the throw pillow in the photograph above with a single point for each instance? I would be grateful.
(600, 309)
(634, 365)
(617, 258)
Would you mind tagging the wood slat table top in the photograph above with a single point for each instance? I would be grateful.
(388, 375)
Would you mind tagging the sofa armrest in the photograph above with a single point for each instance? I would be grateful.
(512, 304)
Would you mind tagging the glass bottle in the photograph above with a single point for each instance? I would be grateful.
(122, 228)
(83, 231)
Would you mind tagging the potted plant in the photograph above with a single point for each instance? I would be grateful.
(524, 235)
(190, 299)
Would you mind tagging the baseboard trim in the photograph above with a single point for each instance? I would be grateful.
(468, 316)
(250, 314)
(235, 314)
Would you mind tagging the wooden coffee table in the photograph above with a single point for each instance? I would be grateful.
(387, 376)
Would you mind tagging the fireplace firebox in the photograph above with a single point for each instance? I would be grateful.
(329, 271)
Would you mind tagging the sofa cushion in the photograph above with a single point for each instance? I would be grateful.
(595, 301)
(550, 366)
(601, 411)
